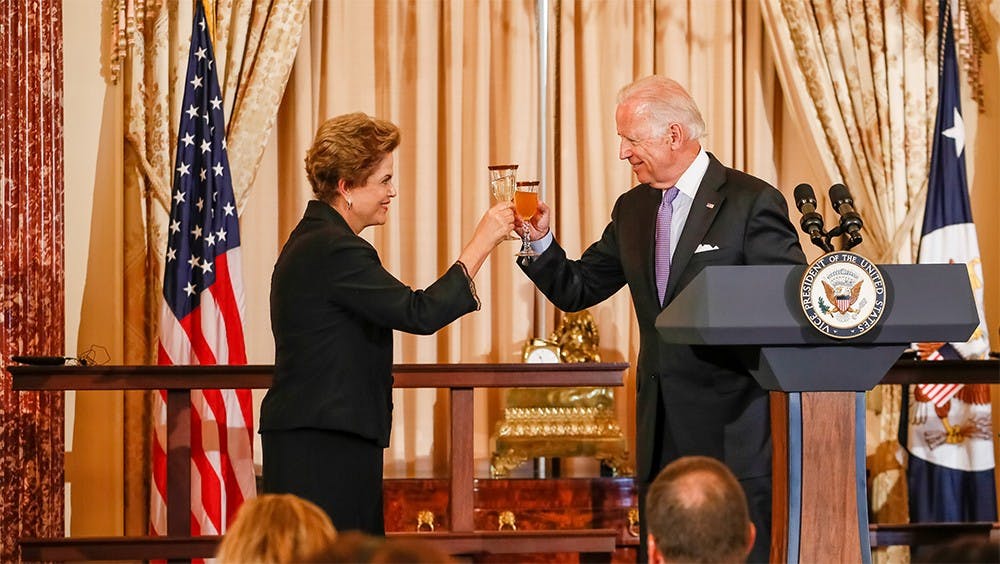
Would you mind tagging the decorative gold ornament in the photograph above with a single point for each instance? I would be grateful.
(425, 520)
(507, 519)
(633, 522)
(577, 338)
(561, 422)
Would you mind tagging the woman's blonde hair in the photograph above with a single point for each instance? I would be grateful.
(277, 528)
(348, 147)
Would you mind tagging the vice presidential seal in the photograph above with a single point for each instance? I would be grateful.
(843, 294)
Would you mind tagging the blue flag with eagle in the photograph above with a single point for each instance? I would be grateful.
(949, 436)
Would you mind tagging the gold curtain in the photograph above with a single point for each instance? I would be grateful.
(254, 43)
(862, 77)
(863, 80)
(460, 78)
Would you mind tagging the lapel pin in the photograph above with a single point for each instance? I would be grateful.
(709, 205)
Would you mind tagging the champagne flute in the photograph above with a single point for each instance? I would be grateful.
(525, 205)
(502, 182)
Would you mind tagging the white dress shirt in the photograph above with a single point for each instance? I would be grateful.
(687, 186)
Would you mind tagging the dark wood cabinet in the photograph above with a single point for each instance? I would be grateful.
(528, 505)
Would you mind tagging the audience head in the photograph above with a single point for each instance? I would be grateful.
(348, 148)
(356, 547)
(407, 551)
(696, 511)
(277, 528)
(351, 547)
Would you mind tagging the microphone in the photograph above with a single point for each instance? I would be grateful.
(812, 221)
(850, 221)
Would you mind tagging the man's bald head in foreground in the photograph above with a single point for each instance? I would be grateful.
(696, 511)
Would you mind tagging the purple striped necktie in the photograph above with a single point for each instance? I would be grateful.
(664, 216)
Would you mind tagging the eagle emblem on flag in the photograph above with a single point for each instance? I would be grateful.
(977, 425)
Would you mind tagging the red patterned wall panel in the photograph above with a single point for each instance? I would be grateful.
(31, 265)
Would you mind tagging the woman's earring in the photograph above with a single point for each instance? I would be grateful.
(349, 204)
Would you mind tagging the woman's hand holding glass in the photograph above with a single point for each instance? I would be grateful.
(496, 224)
(493, 227)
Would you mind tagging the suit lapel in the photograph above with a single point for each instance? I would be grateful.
(707, 202)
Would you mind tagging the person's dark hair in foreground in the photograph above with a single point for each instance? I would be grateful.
(357, 547)
(406, 551)
(697, 512)
(351, 546)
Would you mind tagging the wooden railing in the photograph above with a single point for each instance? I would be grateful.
(460, 379)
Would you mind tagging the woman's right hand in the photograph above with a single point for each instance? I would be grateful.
(495, 224)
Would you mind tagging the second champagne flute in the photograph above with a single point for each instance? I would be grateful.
(525, 205)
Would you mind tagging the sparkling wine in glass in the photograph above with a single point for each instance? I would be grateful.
(502, 183)
(525, 205)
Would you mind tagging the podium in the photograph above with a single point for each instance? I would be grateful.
(820, 499)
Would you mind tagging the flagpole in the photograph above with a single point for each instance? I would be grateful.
(542, 19)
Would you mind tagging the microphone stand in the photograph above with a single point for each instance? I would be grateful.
(850, 241)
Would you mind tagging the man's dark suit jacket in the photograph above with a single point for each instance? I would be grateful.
(692, 400)
(333, 309)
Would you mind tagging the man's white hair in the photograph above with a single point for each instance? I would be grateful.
(664, 101)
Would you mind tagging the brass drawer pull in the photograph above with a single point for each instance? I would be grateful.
(633, 522)
(425, 519)
(506, 519)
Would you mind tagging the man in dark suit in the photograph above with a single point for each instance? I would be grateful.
(688, 212)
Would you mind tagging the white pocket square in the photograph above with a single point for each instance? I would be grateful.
(705, 247)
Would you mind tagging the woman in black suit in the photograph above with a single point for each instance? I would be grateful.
(326, 419)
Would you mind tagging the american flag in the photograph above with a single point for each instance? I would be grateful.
(939, 394)
(201, 321)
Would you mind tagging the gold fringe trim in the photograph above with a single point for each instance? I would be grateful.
(972, 40)
(124, 14)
